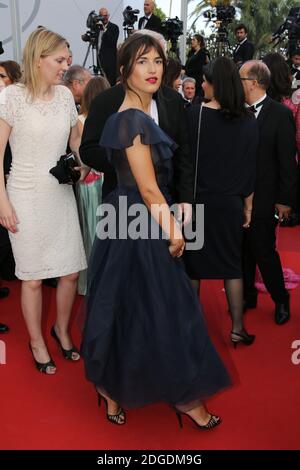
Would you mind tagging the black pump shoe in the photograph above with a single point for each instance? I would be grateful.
(67, 353)
(243, 337)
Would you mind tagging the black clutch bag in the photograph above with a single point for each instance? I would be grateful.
(64, 171)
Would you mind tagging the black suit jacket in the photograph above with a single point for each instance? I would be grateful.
(154, 23)
(244, 52)
(171, 119)
(276, 174)
(108, 52)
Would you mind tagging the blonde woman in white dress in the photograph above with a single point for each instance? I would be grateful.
(39, 118)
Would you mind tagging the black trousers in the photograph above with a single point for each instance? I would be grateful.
(260, 249)
(7, 262)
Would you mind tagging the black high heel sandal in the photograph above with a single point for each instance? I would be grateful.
(244, 338)
(42, 366)
(67, 353)
(212, 422)
(119, 418)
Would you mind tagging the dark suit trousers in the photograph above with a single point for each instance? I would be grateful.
(260, 249)
(7, 262)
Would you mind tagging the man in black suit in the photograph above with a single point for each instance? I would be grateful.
(275, 190)
(244, 49)
(189, 92)
(107, 42)
(150, 21)
(171, 119)
(294, 64)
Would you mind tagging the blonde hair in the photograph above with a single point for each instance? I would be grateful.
(40, 43)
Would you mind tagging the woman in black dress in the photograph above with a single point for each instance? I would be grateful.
(224, 184)
(145, 338)
(197, 58)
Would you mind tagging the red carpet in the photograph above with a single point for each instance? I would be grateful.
(260, 411)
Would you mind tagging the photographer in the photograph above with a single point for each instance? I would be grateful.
(107, 42)
(150, 21)
(294, 64)
(244, 49)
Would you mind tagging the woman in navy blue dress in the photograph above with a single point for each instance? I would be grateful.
(145, 338)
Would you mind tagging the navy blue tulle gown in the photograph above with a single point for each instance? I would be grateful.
(144, 338)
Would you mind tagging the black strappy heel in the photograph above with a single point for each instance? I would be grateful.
(67, 353)
(119, 418)
(42, 366)
(212, 422)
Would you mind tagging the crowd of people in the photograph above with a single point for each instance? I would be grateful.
(222, 133)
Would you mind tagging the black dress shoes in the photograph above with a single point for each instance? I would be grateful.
(3, 328)
(282, 312)
(4, 292)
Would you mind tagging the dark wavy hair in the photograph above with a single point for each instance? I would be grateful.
(281, 81)
(223, 75)
(173, 71)
(12, 69)
(200, 39)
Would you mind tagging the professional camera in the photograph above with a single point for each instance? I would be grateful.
(172, 28)
(291, 26)
(130, 16)
(225, 14)
(94, 23)
(222, 16)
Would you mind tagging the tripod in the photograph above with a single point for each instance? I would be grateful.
(128, 30)
(174, 49)
(97, 68)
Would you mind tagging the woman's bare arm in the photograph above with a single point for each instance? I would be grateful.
(139, 158)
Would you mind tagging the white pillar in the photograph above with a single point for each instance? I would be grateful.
(16, 29)
(183, 17)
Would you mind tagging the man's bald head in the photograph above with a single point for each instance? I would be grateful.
(105, 13)
(255, 77)
(256, 70)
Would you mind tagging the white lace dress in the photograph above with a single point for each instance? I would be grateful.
(48, 242)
